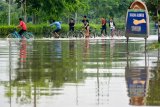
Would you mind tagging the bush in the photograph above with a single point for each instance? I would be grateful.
(5, 30)
(41, 29)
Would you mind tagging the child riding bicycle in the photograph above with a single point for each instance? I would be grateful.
(23, 27)
(58, 27)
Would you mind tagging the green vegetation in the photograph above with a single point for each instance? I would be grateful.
(37, 12)
(154, 9)
(153, 46)
(40, 29)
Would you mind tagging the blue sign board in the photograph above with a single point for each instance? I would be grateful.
(137, 23)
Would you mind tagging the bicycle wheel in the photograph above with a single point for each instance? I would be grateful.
(115, 32)
(76, 33)
(9, 36)
(122, 33)
(81, 35)
(48, 34)
(30, 35)
(62, 35)
(69, 34)
(25, 35)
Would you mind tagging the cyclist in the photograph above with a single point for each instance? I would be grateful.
(23, 27)
(58, 27)
(85, 22)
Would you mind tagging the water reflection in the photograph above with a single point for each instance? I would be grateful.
(23, 50)
(78, 73)
(86, 49)
(136, 78)
(58, 49)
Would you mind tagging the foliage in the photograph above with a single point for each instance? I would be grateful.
(40, 11)
(108, 8)
(153, 92)
(153, 46)
(153, 7)
(4, 13)
(40, 29)
(4, 30)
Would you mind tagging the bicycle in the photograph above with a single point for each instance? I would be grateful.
(15, 34)
(80, 33)
(28, 35)
(94, 33)
(112, 32)
(49, 33)
(121, 32)
(117, 32)
(71, 34)
(76, 34)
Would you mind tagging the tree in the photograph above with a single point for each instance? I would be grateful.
(153, 8)
(47, 9)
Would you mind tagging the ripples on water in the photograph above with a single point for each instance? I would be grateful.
(77, 73)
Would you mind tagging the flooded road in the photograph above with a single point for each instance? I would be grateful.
(78, 73)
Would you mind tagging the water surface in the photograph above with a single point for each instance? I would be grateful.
(78, 73)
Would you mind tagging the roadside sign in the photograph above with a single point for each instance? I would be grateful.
(137, 21)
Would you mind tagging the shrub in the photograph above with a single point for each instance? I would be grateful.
(40, 29)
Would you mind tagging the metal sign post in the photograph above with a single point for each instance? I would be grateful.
(137, 21)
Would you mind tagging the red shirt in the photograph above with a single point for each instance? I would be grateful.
(23, 25)
(103, 21)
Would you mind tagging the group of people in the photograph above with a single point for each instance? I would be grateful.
(85, 22)
(104, 26)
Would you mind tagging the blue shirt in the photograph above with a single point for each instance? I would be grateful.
(57, 24)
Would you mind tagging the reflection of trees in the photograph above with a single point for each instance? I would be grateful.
(50, 64)
(153, 97)
(110, 52)
(47, 67)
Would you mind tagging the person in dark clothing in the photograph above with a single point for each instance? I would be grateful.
(71, 24)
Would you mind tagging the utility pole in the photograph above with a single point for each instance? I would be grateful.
(9, 12)
(158, 27)
(25, 13)
(158, 20)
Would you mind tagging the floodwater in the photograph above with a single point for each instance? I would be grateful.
(78, 73)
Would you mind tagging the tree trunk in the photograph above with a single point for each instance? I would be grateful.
(158, 27)
(34, 19)
(76, 17)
